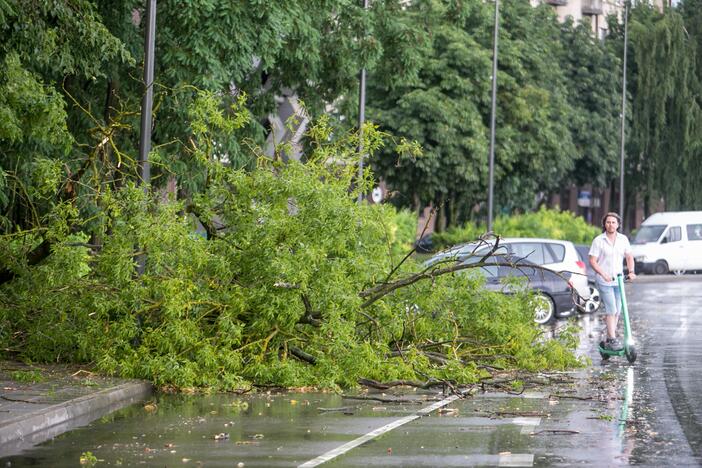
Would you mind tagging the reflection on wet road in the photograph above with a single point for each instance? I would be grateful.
(668, 402)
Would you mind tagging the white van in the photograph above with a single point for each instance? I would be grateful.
(669, 241)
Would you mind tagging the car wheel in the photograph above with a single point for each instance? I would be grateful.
(660, 268)
(593, 303)
(544, 309)
(678, 272)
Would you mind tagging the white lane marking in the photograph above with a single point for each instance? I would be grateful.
(325, 457)
(681, 331)
(534, 395)
(526, 421)
(516, 459)
(528, 424)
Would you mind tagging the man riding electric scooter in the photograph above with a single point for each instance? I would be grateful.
(607, 255)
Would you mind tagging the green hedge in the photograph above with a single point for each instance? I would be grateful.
(545, 223)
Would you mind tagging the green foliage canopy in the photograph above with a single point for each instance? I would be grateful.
(666, 135)
(557, 108)
(592, 71)
(272, 297)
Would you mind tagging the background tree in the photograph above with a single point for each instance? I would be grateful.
(446, 109)
(593, 74)
(42, 43)
(666, 134)
(440, 109)
(691, 11)
(535, 144)
(73, 89)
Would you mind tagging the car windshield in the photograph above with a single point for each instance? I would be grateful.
(491, 270)
(469, 253)
(649, 234)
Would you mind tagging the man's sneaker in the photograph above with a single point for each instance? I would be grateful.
(613, 344)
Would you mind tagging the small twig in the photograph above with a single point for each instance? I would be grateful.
(414, 249)
(83, 244)
(342, 408)
(395, 383)
(572, 397)
(383, 399)
(20, 400)
(519, 413)
(555, 431)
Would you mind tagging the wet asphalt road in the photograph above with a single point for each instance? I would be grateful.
(645, 414)
(666, 427)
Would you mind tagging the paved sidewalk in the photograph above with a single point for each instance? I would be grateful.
(40, 402)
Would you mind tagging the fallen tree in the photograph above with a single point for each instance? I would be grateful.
(295, 284)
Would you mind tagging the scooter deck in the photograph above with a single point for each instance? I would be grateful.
(612, 352)
(628, 351)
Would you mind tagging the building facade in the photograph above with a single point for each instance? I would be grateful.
(594, 11)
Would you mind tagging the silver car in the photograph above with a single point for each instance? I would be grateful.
(556, 255)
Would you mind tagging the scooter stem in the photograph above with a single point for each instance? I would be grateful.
(625, 310)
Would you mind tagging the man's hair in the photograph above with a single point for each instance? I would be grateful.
(613, 215)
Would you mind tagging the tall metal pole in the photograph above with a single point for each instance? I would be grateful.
(147, 99)
(147, 102)
(361, 116)
(623, 116)
(491, 170)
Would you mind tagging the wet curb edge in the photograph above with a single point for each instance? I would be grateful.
(31, 425)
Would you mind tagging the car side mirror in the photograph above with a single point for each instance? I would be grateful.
(664, 240)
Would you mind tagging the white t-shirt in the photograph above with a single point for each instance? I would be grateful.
(610, 256)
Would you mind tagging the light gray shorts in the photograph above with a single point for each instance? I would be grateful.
(611, 297)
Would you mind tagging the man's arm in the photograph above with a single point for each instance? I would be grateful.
(630, 265)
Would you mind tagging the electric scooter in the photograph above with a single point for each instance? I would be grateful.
(628, 349)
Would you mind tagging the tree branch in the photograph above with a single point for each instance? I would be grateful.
(396, 383)
(311, 316)
(303, 356)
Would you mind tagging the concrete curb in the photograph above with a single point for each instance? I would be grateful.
(35, 427)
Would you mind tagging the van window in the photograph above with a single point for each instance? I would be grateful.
(674, 234)
(553, 253)
(694, 232)
(649, 233)
(532, 251)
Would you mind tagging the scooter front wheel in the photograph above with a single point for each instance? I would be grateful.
(630, 354)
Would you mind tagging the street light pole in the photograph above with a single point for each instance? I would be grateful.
(361, 120)
(147, 102)
(361, 117)
(491, 166)
(623, 116)
(147, 99)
